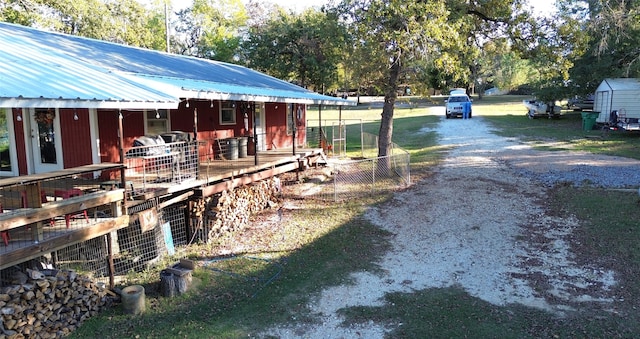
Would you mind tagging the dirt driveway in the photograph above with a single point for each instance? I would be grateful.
(479, 224)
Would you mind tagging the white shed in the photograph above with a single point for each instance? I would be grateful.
(622, 94)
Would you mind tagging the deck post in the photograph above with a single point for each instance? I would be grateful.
(320, 125)
(195, 140)
(123, 179)
(255, 135)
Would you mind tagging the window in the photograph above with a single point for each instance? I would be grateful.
(157, 121)
(5, 141)
(228, 113)
(290, 120)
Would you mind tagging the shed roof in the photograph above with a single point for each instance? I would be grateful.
(620, 84)
(45, 69)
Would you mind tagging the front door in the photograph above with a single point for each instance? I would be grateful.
(8, 159)
(45, 140)
(260, 126)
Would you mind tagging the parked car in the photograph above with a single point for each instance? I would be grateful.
(581, 103)
(456, 103)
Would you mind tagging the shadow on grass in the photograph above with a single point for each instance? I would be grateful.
(452, 313)
(566, 133)
(234, 305)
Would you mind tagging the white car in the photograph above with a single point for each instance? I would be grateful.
(455, 105)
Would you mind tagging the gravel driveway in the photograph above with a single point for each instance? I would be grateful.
(479, 223)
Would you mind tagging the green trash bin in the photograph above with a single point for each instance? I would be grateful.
(589, 120)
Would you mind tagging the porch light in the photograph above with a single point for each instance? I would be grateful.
(211, 105)
(187, 105)
(75, 115)
(157, 114)
(19, 117)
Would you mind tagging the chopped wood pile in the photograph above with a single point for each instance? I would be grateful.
(230, 210)
(48, 303)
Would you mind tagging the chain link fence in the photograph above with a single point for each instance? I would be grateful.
(345, 179)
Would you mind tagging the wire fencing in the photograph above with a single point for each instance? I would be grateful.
(156, 229)
(134, 248)
(345, 179)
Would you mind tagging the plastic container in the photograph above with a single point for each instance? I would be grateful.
(242, 147)
(231, 152)
(589, 120)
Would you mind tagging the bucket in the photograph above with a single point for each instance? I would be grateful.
(232, 149)
(242, 147)
(133, 301)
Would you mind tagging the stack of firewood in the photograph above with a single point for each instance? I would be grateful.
(230, 210)
(49, 304)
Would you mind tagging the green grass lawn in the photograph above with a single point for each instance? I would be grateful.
(321, 244)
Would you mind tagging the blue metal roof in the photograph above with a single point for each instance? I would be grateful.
(40, 68)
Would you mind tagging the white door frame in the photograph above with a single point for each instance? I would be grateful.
(37, 162)
(13, 155)
(260, 126)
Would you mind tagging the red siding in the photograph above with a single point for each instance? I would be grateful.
(209, 127)
(75, 137)
(108, 134)
(132, 126)
(18, 127)
(276, 126)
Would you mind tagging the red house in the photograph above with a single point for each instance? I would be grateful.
(72, 108)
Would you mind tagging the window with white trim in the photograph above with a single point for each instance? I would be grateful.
(228, 113)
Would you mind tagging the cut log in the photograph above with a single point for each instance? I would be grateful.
(167, 284)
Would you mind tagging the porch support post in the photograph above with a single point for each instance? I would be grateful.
(340, 136)
(294, 127)
(195, 140)
(123, 179)
(320, 126)
(255, 134)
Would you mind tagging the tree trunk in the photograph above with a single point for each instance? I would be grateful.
(386, 123)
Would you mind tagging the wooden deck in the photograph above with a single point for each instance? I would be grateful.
(42, 229)
(212, 172)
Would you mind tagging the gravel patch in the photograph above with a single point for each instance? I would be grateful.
(479, 223)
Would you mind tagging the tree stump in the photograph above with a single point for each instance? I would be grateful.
(174, 281)
(167, 284)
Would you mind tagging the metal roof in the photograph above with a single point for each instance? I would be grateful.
(620, 84)
(45, 69)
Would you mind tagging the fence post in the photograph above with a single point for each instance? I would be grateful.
(373, 174)
(335, 184)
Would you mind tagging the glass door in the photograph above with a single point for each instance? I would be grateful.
(260, 126)
(7, 148)
(45, 140)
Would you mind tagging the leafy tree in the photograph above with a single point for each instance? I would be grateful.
(122, 21)
(503, 67)
(210, 29)
(18, 12)
(403, 36)
(604, 37)
(302, 48)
